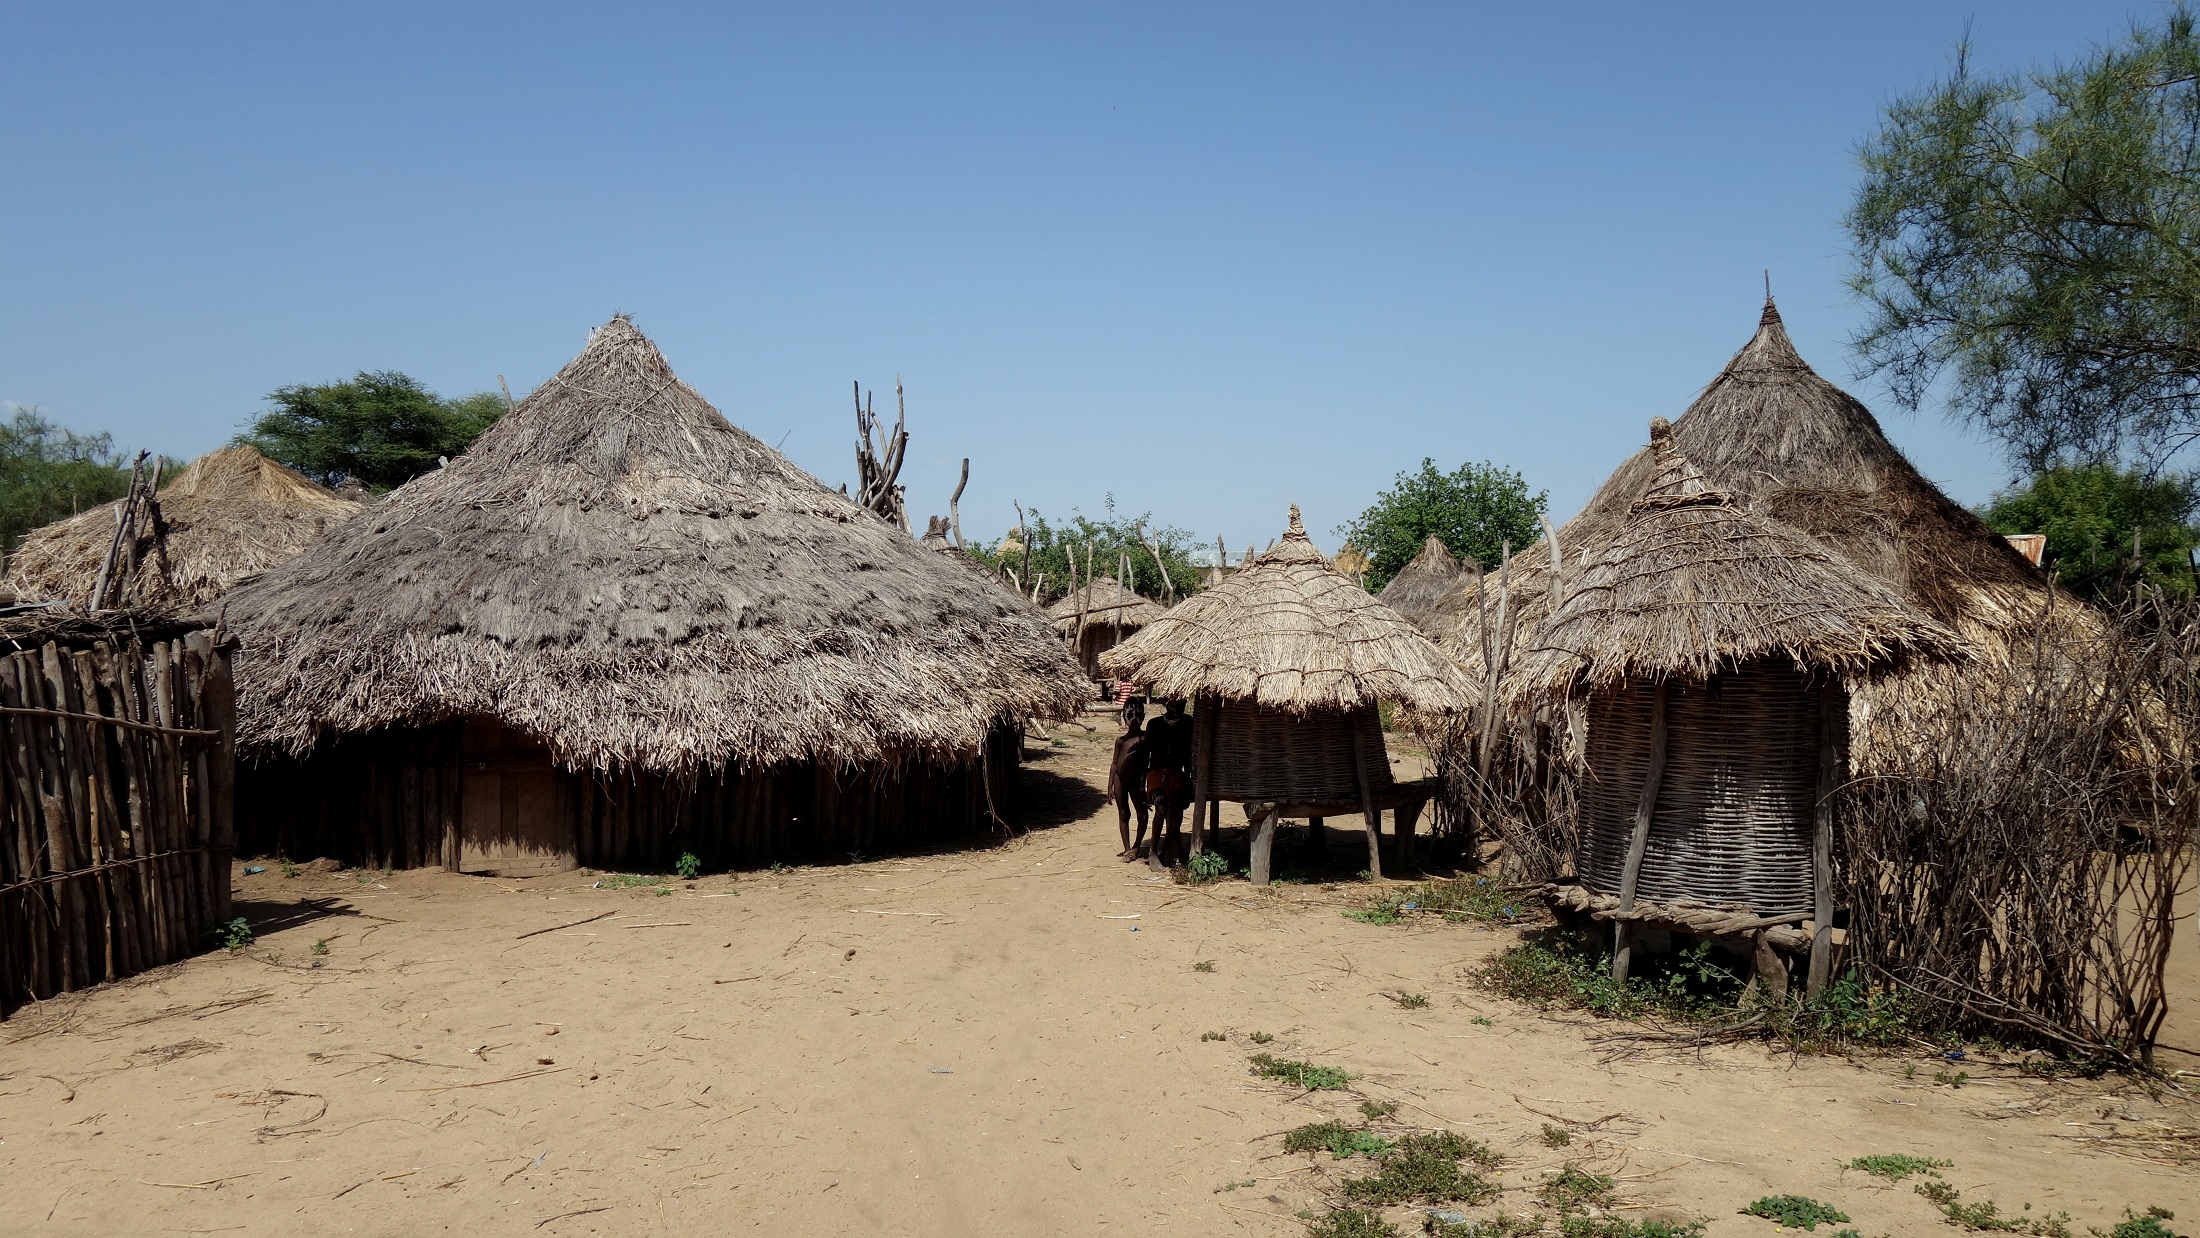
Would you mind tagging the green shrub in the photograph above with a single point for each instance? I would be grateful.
(1556, 1136)
(1351, 1223)
(1375, 1110)
(232, 934)
(1494, 1227)
(2135, 1225)
(1574, 1189)
(1342, 1141)
(1207, 866)
(1795, 1211)
(1621, 1227)
(1895, 1166)
(688, 866)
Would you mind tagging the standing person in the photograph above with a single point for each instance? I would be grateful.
(1168, 773)
(1127, 776)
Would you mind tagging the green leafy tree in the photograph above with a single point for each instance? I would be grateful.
(382, 427)
(1109, 538)
(2029, 245)
(2095, 516)
(1477, 509)
(48, 472)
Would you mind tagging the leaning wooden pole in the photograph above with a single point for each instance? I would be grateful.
(1639, 842)
(1832, 772)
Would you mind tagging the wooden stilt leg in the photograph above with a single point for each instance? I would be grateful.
(1622, 934)
(1832, 728)
(1368, 810)
(1264, 842)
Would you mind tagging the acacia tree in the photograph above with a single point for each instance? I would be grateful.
(48, 472)
(1477, 509)
(2106, 527)
(381, 427)
(2032, 241)
(1109, 539)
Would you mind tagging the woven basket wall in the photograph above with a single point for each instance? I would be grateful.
(1733, 819)
(1267, 754)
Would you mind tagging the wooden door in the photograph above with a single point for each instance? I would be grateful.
(515, 817)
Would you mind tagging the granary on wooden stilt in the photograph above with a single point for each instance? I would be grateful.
(1771, 432)
(228, 516)
(620, 629)
(1100, 616)
(1285, 664)
(1714, 650)
(1414, 590)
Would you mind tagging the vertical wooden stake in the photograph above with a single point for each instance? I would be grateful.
(1373, 815)
(1207, 713)
(1264, 843)
(1831, 774)
(1622, 931)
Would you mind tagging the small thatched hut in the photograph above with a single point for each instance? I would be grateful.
(1285, 664)
(1792, 446)
(619, 629)
(1099, 617)
(228, 516)
(1414, 591)
(1716, 649)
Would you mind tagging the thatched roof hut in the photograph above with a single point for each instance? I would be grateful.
(1285, 662)
(1414, 591)
(1716, 649)
(1790, 445)
(228, 516)
(1109, 613)
(619, 580)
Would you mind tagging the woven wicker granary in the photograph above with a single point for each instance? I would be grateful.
(1733, 819)
(1266, 754)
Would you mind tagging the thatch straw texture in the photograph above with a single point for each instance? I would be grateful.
(231, 514)
(1414, 591)
(1291, 632)
(616, 569)
(1694, 584)
(1104, 604)
(1790, 445)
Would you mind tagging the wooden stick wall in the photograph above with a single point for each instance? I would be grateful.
(115, 809)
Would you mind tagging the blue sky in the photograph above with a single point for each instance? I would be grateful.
(1210, 259)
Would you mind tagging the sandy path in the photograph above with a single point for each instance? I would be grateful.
(974, 1042)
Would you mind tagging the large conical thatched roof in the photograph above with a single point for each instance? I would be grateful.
(1414, 591)
(616, 569)
(230, 514)
(1105, 604)
(1290, 632)
(1792, 446)
(1695, 584)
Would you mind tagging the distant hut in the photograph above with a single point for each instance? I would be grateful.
(1100, 616)
(1715, 649)
(619, 629)
(1792, 446)
(1414, 591)
(226, 517)
(1285, 664)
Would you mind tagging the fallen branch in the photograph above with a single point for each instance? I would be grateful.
(452, 1087)
(555, 927)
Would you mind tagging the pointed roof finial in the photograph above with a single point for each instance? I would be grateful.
(1661, 440)
(1297, 530)
(1771, 315)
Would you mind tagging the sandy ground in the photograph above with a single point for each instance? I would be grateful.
(1005, 1039)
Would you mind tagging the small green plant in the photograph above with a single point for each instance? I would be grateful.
(1481, 1021)
(1341, 1141)
(1410, 1001)
(1204, 1036)
(1428, 1168)
(1205, 965)
(1556, 1136)
(1373, 915)
(1895, 1166)
(1351, 1223)
(232, 934)
(1954, 1079)
(1299, 1074)
(627, 881)
(320, 947)
(1494, 1227)
(290, 869)
(1378, 1110)
(1621, 1227)
(1239, 1185)
(1986, 1216)
(779, 866)
(1574, 1189)
(1795, 1211)
(688, 866)
(1260, 1038)
(1207, 866)
(2135, 1225)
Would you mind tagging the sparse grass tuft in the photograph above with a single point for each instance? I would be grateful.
(1493, 1227)
(1212, 1036)
(627, 881)
(1342, 1141)
(1556, 1136)
(1377, 1110)
(1351, 1223)
(1797, 1211)
(2146, 1225)
(1457, 901)
(1986, 1216)
(1410, 1001)
(1895, 1166)
(1621, 1227)
(1205, 965)
(1260, 1038)
(1430, 1169)
(320, 947)
(1574, 1189)
(1299, 1074)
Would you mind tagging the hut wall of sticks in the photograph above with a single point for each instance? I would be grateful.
(1714, 647)
(115, 828)
(619, 629)
(1285, 663)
